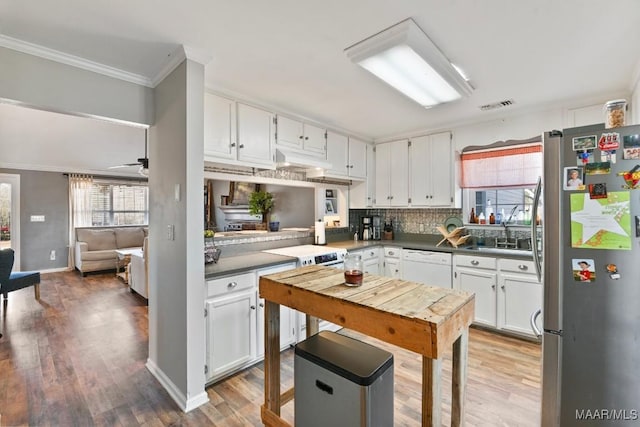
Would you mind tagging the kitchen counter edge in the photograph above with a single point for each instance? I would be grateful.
(243, 263)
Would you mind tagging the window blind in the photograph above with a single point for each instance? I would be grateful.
(502, 164)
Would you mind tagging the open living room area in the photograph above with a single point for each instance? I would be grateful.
(77, 357)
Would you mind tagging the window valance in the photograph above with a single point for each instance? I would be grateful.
(502, 164)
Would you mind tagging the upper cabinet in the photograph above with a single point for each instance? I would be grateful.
(431, 170)
(302, 136)
(256, 132)
(237, 133)
(348, 157)
(392, 176)
(219, 126)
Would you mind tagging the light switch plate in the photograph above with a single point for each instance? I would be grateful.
(37, 218)
(170, 232)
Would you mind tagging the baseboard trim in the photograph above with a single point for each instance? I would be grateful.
(55, 270)
(185, 404)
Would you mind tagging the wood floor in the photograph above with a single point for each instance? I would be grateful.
(77, 358)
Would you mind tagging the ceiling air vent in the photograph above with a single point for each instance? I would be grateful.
(495, 105)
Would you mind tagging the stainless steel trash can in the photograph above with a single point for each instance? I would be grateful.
(342, 382)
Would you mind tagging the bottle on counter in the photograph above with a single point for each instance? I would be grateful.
(472, 216)
(489, 209)
(481, 218)
(492, 218)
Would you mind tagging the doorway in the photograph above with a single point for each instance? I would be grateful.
(10, 215)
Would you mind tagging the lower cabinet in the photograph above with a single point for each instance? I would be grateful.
(370, 259)
(230, 324)
(520, 295)
(478, 275)
(234, 317)
(507, 291)
(392, 262)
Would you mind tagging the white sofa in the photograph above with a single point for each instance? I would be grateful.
(96, 246)
(138, 271)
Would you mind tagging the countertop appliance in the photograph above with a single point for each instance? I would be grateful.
(591, 313)
(313, 255)
(366, 230)
(376, 227)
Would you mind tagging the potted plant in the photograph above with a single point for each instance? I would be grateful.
(261, 203)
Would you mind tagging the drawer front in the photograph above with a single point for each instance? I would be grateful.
(476, 261)
(517, 266)
(368, 254)
(392, 252)
(225, 285)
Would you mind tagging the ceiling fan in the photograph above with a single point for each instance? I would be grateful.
(143, 162)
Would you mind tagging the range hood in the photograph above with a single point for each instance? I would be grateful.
(293, 159)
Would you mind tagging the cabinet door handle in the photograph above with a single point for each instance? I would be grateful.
(371, 253)
(233, 144)
(523, 267)
(306, 138)
(493, 287)
(300, 137)
(232, 285)
(253, 307)
(261, 305)
(502, 287)
(241, 146)
(474, 262)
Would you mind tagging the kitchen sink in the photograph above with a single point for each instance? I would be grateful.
(503, 251)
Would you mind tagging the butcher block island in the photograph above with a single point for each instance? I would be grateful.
(424, 319)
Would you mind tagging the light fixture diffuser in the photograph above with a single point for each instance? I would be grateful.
(406, 59)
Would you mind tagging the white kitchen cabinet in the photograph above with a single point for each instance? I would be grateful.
(431, 170)
(478, 275)
(302, 136)
(348, 157)
(357, 158)
(370, 259)
(256, 135)
(230, 324)
(287, 315)
(219, 127)
(393, 262)
(361, 194)
(519, 295)
(392, 174)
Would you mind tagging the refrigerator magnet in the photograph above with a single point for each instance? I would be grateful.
(631, 178)
(584, 157)
(631, 147)
(597, 168)
(608, 144)
(612, 269)
(598, 190)
(574, 178)
(583, 270)
(584, 143)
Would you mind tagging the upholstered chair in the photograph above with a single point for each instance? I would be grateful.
(10, 282)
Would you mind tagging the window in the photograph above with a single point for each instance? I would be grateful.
(119, 204)
(503, 201)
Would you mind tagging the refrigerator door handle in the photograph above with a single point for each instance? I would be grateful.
(534, 229)
(534, 326)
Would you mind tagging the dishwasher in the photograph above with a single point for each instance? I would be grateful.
(430, 268)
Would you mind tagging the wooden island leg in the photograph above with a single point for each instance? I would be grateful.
(459, 378)
(271, 362)
(431, 395)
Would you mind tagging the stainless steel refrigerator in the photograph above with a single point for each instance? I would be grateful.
(591, 273)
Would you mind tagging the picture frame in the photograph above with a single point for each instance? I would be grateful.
(571, 180)
(329, 208)
(581, 143)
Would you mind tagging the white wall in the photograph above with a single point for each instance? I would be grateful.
(176, 288)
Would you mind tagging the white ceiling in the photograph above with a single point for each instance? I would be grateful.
(288, 54)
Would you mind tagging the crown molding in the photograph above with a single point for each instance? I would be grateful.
(74, 61)
(176, 58)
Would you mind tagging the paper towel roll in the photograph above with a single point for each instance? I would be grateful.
(319, 228)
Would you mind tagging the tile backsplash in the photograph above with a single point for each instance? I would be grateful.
(415, 221)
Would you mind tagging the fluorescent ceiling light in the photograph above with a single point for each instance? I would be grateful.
(405, 58)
